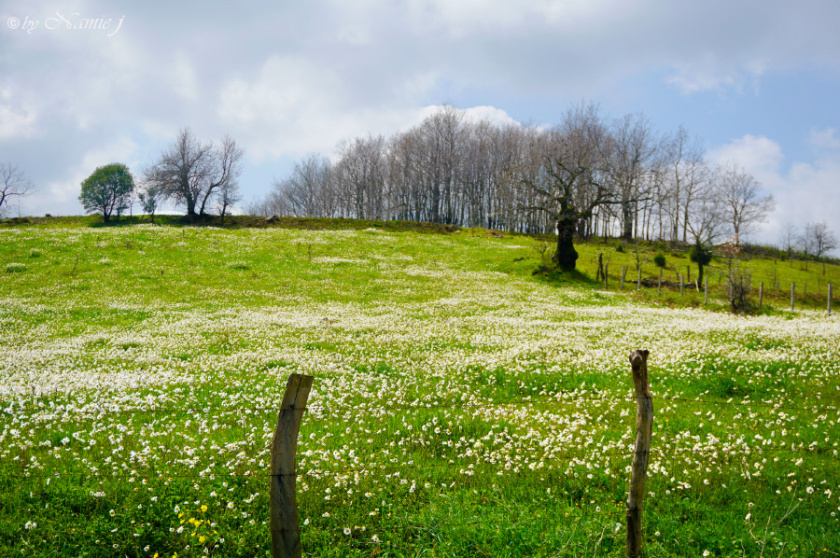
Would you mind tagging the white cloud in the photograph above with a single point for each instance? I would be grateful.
(17, 119)
(293, 107)
(806, 192)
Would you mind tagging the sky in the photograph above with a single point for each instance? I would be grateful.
(87, 83)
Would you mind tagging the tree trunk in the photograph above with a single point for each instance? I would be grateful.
(566, 256)
(627, 220)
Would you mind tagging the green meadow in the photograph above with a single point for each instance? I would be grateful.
(463, 405)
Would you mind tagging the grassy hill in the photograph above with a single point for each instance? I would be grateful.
(462, 405)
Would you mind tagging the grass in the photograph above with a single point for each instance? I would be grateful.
(462, 406)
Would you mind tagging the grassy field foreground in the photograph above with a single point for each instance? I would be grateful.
(461, 406)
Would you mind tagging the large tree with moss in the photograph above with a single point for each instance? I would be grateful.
(108, 190)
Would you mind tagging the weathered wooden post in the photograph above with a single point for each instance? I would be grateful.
(623, 275)
(828, 309)
(681, 285)
(659, 287)
(760, 294)
(792, 296)
(688, 273)
(285, 523)
(644, 430)
(706, 289)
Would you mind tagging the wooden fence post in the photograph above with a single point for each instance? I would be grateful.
(285, 523)
(639, 282)
(623, 275)
(644, 429)
(681, 285)
(659, 288)
(688, 273)
(792, 296)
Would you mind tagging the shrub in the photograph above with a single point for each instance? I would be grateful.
(35, 254)
(659, 259)
(620, 248)
(15, 268)
(738, 287)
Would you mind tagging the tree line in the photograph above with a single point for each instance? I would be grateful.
(588, 175)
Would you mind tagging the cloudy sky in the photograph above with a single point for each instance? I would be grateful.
(757, 81)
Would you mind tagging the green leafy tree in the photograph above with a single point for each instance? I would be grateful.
(107, 190)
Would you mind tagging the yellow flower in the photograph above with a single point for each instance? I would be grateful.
(156, 555)
(201, 539)
(203, 508)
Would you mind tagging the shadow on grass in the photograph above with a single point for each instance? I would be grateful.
(555, 276)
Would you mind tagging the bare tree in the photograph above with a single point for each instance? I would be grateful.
(192, 173)
(13, 184)
(789, 239)
(150, 198)
(227, 196)
(818, 240)
(685, 177)
(629, 162)
(571, 181)
(743, 206)
(705, 222)
(308, 191)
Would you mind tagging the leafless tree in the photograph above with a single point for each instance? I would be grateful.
(13, 185)
(818, 240)
(743, 206)
(192, 173)
(789, 239)
(629, 157)
(686, 178)
(705, 221)
(307, 191)
(227, 196)
(571, 181)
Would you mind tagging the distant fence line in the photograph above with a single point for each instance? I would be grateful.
(682, 281)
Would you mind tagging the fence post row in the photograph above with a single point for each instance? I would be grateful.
(644, 429)
(284, 519)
